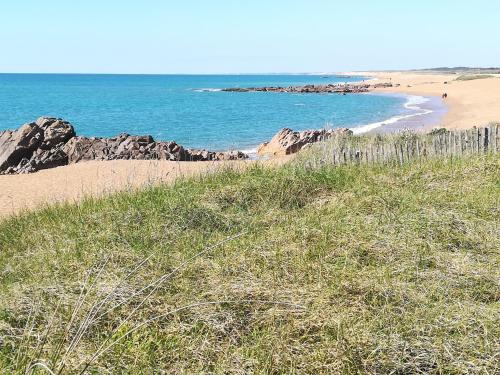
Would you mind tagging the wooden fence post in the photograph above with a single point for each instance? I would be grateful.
(462, 142)
(497, 138)
(466, 141)
(474, 140)
(493, 139)
(494, 134)
(479, 140)
(486, 139)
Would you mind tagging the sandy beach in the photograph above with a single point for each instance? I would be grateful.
(96, 178)
(470, 103)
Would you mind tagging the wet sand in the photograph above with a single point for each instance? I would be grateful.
(429, 115)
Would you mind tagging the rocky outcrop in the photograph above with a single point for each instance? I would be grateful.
(123, 146)
(19, 144)
(312, 89)
(349, 88)
(35, 146)
(55, 132)
(128, 147)
(51, 142)
(287, 141)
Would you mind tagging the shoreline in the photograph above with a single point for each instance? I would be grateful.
(470, 103)
(426, 112)
(428, 109)
(474, 102)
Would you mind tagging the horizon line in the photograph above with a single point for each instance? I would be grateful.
(186, 74)
(345, 72)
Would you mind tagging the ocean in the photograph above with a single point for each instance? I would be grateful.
(191, 109)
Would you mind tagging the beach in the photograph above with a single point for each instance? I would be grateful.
(94, 179)
(469, 103)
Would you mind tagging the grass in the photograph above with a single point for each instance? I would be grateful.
(360, 269)
(473, 77)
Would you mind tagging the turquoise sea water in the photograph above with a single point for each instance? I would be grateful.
(187, 109)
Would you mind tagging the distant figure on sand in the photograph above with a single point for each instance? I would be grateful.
(445, 95)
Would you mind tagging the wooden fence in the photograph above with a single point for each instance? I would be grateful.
(405, 147)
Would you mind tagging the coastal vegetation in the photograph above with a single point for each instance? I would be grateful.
(303, 268)
(474, 77)
(461, 70)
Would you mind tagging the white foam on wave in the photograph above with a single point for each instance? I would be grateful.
(250, 151)
(412, 103)
(207, 90)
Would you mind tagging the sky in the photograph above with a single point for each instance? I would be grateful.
(253, 36)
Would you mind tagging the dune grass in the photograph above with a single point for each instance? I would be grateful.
(361, 269)
(473, 77)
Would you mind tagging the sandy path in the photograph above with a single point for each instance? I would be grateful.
(71, 183)
(470, 103)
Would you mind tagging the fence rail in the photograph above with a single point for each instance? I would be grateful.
(409, 146)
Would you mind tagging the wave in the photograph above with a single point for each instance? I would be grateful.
(412, 104)
(251, 152)
(207, 90)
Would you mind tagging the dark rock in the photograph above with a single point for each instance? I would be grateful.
(84, 149)
(55, 131)
(237, 89)
(230, 155)
(19, 144)
(312, 89)
(51, 142)
(43, 159)
(171, 151)
(138, 148)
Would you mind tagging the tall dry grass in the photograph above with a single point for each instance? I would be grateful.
(305, 268)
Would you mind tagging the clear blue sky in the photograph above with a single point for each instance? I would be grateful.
(231, 36)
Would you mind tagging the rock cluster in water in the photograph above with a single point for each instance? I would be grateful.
(51, 142)
(287, 141)
(315, 89)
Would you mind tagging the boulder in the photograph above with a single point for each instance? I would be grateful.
(199, 155)
(131, 147)
(55, 131)
(19, 144)
(287, 141)
(230, 155)
(84, 149)
(43, 159)
(171, 151)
